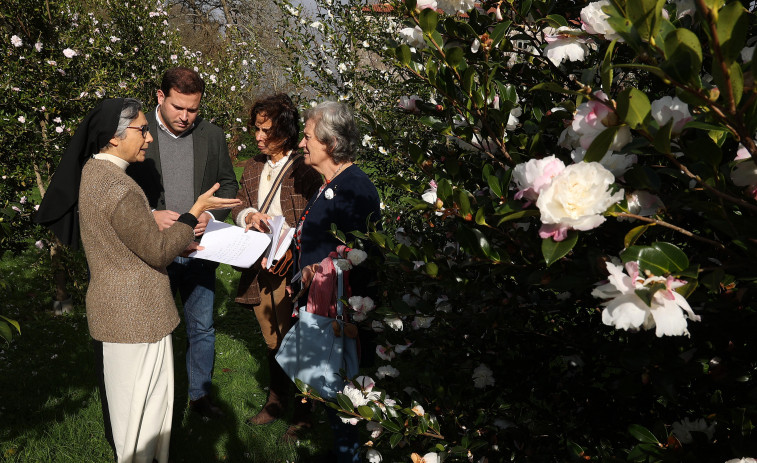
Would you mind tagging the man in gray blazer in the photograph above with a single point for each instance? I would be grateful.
(188, 156)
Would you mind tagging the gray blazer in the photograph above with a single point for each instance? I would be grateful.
(211, 164)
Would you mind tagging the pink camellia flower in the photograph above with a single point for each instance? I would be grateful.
(69, 53)
(22, 200)
(40, 245)
(625, 310)
(408, 103)
(593, 117)
(565, 43)
(15, 208)
(576, 199)
(533, 176)
(16, 41)
(667, 108)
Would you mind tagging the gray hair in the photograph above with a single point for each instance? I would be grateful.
(129, 112)
(334, 126)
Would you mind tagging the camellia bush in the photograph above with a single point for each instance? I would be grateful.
(58, 60)
(568, 273)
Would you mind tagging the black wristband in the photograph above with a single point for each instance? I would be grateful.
(188, 219)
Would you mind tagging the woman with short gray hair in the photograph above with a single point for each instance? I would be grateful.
(347, 199)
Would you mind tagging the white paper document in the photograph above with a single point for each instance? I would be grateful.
(229, 244)
(279, 246)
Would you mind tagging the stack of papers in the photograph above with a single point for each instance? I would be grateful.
(229, 244)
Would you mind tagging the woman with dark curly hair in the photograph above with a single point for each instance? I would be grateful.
(276, 182)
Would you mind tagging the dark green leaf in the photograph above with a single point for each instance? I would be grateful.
(660, 258)
(395, 439)
(606, 69)
(428, 19)
(556, 20)
(391, 426)
(555, 250)
(403, 54)
(642, 434)
(661, 139)
(344, 402)
(599, 147)
(444, 191)
(633, 235)
(499, 32)
(365, 411)
(633, 107)
(684, 55)
(733, 24)
(454, 56)
(645, 16)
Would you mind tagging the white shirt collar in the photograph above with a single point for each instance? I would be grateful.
(114, 159)
(166, 130)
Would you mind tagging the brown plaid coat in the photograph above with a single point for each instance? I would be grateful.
(297, 187)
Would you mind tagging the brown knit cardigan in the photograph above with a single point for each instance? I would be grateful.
(129, 297)
(296, 189)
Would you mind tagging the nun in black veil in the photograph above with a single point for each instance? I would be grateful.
(130, 309)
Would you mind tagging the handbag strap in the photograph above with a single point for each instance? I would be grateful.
(339, 290)
(277, 182)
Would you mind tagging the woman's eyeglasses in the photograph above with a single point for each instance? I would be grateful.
(144, 128)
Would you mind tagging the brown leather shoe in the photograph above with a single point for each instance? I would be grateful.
(278, 394)
(206, 408)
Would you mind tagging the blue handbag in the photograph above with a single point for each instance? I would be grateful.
(312, 353)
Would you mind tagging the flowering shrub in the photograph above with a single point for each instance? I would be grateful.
(541, 141)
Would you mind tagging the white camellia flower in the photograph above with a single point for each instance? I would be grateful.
(394, 323)
(682, 429)
(747, 53)
(644, 203)
(413, 36)
(512, 118)
(431, 457)
(475, 46)
(430, 195)
(420, 322)
(16, 41)
(593, 117)
(533, 176)
(483, 376)
(742, 460)
(38, 47)
(618, 164)
(423, 4)
(22, 119)
(356, 256)
(594, 20)
(667, 108)
(373, 455)
(625, 309)
(744, 172)
(374, 428)
(576, 199)
(387, 370)
(565, 43)
(69, 53)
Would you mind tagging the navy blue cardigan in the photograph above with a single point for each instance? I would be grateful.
(355, 202)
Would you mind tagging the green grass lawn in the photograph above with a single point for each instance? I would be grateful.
(50, 406)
